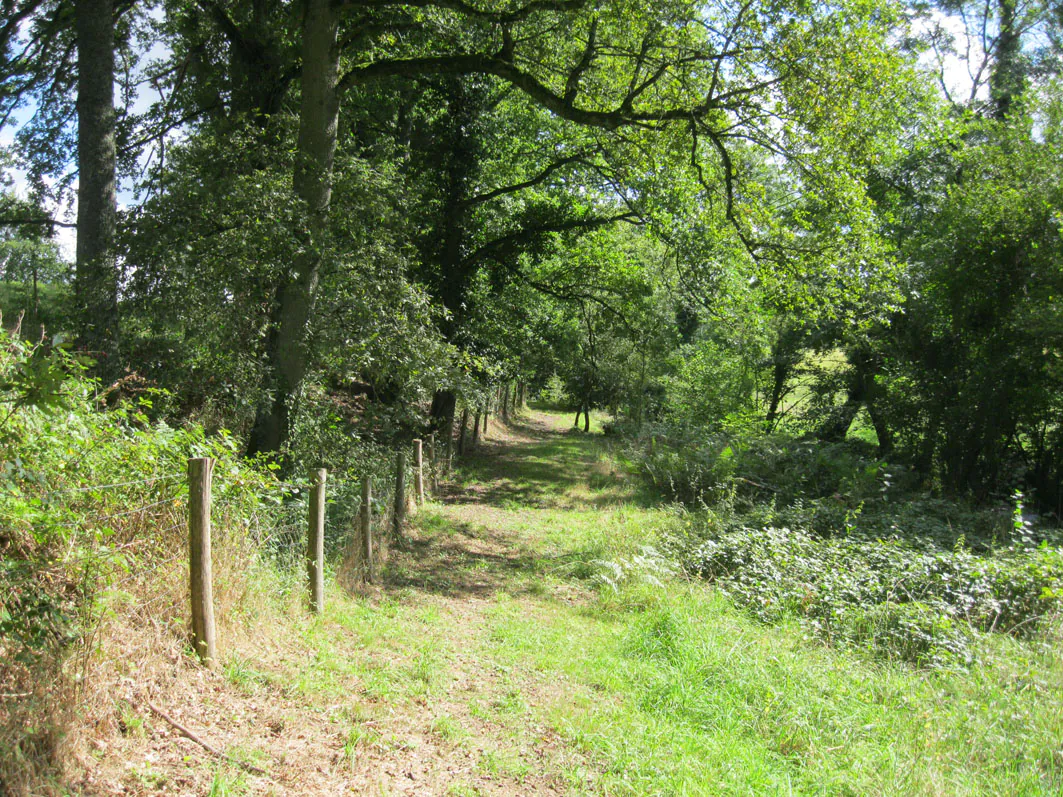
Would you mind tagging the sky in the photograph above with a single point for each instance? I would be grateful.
(66, 237)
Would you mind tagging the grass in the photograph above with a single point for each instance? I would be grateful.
(528, 641)
(674, 688)
(670, 689)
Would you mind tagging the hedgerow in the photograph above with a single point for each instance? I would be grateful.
(92, 510)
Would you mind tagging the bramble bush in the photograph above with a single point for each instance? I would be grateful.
(846, 543)
(903, 600)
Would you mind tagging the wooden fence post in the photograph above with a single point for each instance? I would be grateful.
(315, 542)
(433, 465)
(366, 522)
(418, 471)
(398, 518)
(201, 584)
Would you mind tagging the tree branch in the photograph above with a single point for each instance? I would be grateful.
(540, 93)
(38, 221)
(511, 189)
(493, 248)
(500, 17)
(572, 84)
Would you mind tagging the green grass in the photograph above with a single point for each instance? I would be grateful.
(228, 781)
(449, 729)
(673, 689)
(244, 675)
(670, 689)
(646, 683)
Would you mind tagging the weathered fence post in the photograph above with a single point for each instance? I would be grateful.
(433, 465)
(447, 455)
(366, 521)
(315, 541)
(201, 585)
(398, 518)
(418, 471)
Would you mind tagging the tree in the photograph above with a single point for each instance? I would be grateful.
(96, 273)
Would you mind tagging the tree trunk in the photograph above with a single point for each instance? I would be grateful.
(1007, 80)
(35, 302)
(476, 430)
(96, 274)
(441, 415)
(780, 374)
(586, 415)
(398, 516)
(873, 392)
(461, 434)
(318, 119)
(837, 424)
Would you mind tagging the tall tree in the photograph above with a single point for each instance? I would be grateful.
(318, 121)
(96, 276)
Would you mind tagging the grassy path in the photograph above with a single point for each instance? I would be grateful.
(525, 642)
(409, 689)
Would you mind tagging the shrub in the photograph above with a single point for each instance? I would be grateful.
(92, 508)
(756, 467)
(833, 535)
(913, 602)
(554, 393)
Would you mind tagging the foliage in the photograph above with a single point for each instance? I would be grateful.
(904, 599)
(844, 541)
(554, 394)
(969, 377)
(90, 497)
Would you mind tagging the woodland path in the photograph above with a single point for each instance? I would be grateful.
(532, 638)
(430, 684)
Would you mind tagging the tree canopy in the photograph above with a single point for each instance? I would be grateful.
(775, 215)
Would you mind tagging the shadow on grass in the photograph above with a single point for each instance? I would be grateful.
(542, 467)
(554, 469)
(457, 559)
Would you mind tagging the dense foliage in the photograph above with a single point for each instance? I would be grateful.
(815, 285)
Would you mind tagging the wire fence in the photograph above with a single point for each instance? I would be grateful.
(101, 487)
(119, 536)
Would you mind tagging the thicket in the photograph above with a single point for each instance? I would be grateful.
(852, 546)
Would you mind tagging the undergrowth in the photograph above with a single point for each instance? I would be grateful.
(93, 500)
(826, 533)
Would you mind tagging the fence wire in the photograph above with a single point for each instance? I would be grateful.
(99, 487)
